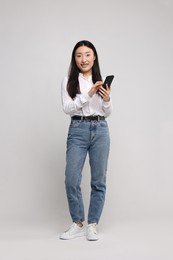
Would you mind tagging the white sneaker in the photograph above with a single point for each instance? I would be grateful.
(91, 232)
(73, 232)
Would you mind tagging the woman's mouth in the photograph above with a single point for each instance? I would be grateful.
(84, 65)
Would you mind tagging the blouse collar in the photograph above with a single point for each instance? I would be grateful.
(82, 76)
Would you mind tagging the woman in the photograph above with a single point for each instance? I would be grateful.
(88, 104)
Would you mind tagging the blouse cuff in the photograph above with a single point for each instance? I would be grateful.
(107, 103)
(84, 97)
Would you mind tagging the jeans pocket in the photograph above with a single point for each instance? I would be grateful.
(103, 123)
(75, 123)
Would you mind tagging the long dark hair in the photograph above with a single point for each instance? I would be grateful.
(73, 87)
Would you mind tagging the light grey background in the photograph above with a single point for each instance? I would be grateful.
(134, 40)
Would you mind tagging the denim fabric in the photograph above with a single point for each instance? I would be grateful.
(84, 137)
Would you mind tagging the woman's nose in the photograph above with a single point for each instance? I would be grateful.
(83, 58)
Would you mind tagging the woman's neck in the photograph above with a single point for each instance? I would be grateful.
(86, 75)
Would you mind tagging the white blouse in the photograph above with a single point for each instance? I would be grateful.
(83, 104)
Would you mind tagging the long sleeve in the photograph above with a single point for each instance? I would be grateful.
(107, 108)
(71, 106)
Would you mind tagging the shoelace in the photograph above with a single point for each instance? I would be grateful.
(72, 226)
(92, 228)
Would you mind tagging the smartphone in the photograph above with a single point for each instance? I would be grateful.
(108, 81)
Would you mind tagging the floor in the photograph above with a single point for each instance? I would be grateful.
(127, 240)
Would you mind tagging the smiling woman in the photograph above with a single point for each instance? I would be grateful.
(88, 105)
(84, 58)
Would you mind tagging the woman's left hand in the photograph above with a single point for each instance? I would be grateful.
(105, 93)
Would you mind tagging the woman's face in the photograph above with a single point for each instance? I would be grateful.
(84, 58)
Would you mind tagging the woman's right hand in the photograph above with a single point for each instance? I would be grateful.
(94, 88)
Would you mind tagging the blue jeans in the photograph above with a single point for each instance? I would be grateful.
(84, 137)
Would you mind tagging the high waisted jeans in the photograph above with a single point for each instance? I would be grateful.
(84, 137)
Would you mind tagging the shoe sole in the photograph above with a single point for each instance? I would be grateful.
(89, 239)
(72, 237)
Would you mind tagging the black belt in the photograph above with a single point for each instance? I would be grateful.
(89, 118)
